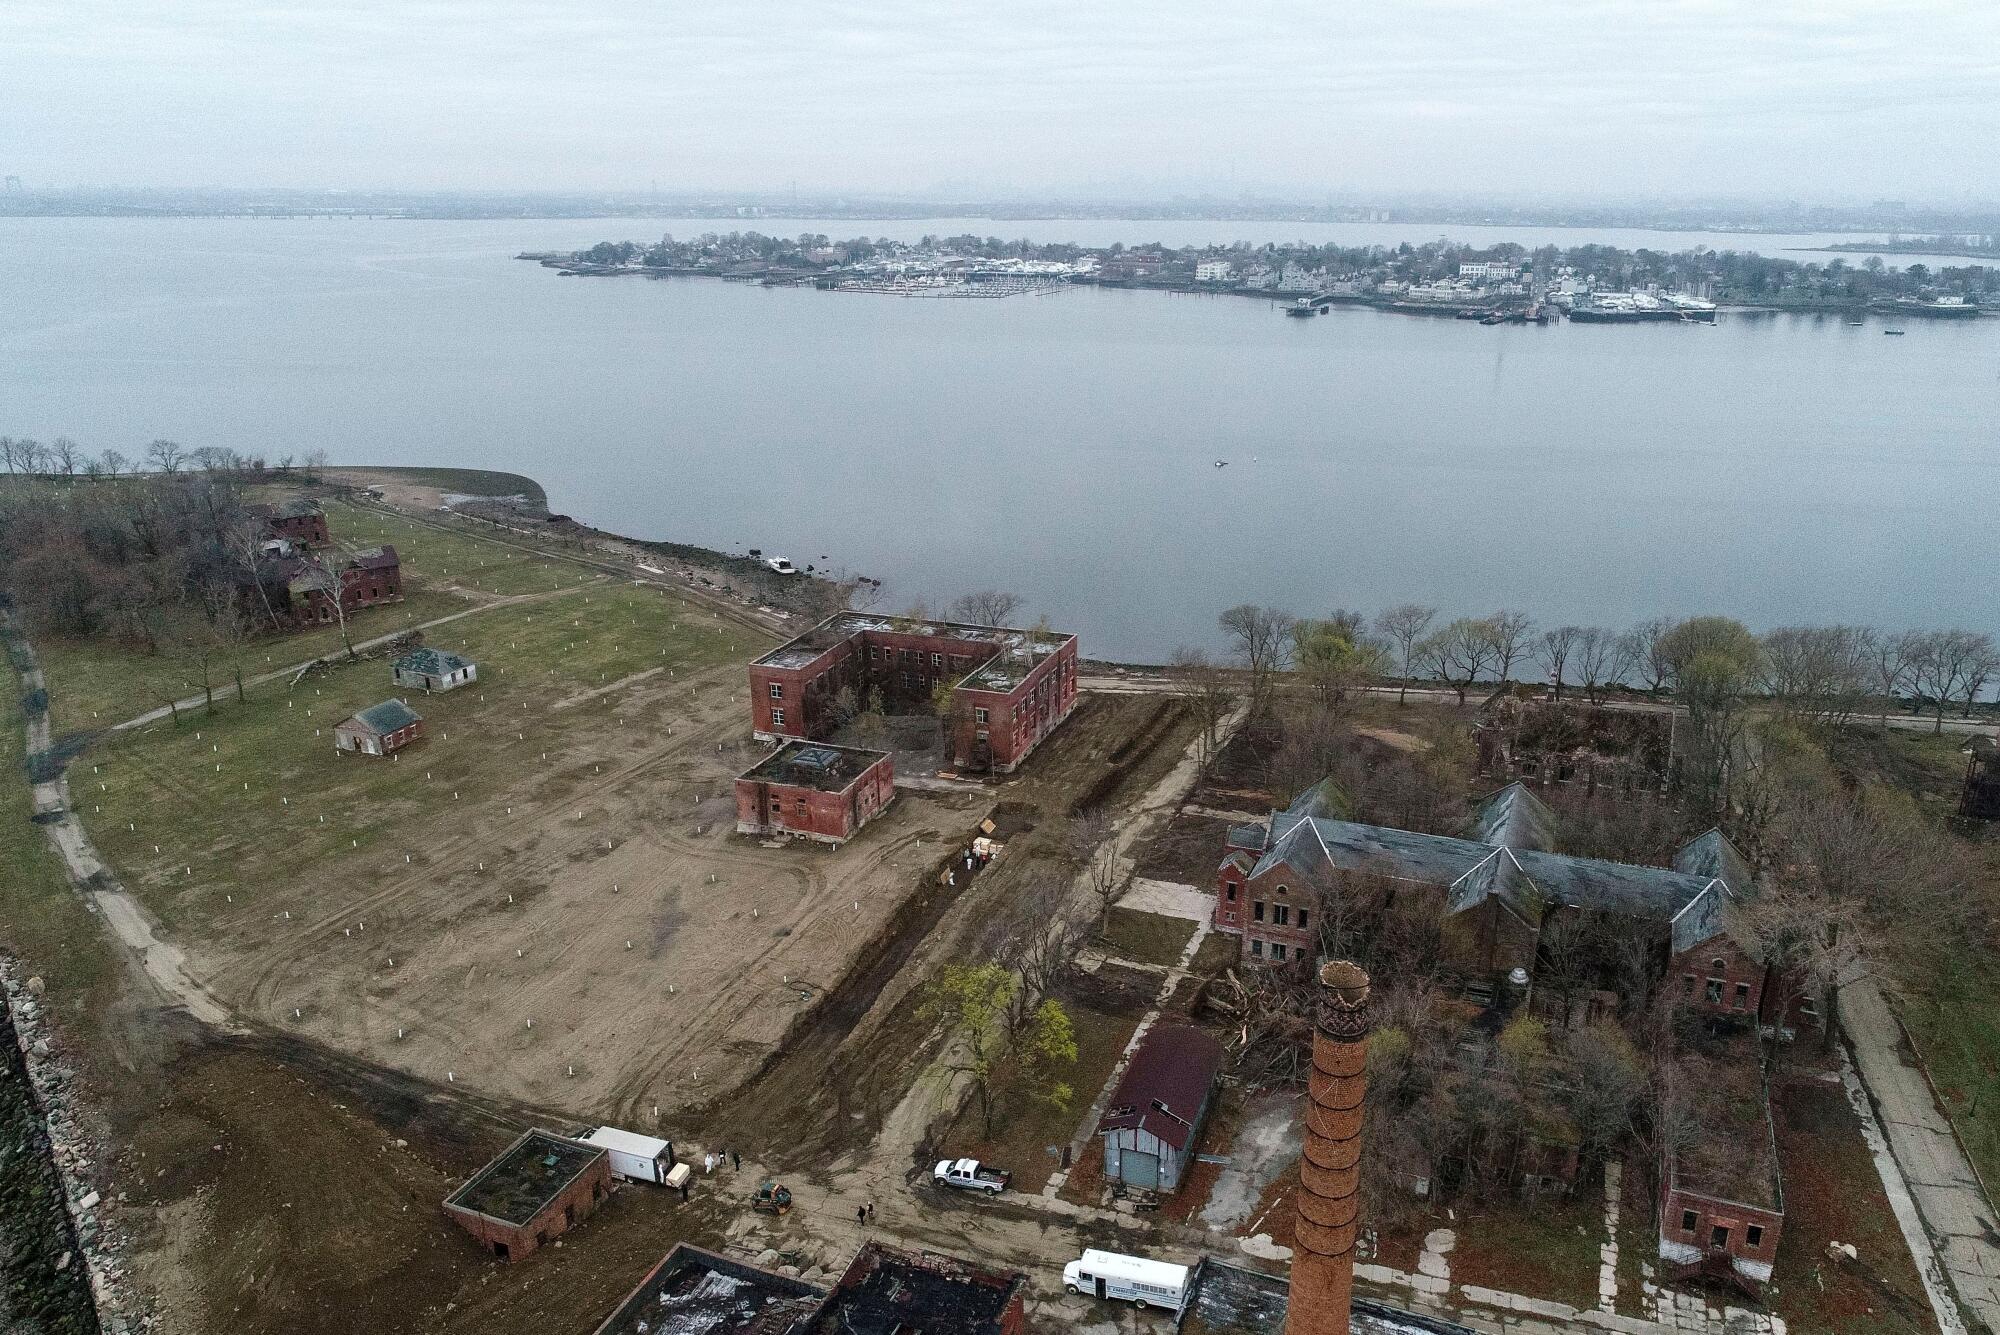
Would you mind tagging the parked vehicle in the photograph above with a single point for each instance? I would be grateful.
(633, 1156)
(781, 565)
(971, 1175)
(1133, 1279)
(772, 1198)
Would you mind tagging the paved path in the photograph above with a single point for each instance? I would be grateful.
(1955, 1212)
(161, 962)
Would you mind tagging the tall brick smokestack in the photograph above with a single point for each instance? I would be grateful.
(1328, 1199)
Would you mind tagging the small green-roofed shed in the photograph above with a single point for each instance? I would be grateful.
(433, 670)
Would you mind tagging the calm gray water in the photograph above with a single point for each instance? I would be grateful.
(1776, 468)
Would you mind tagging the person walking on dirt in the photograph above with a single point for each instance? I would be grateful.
(684, 1192)
(708, 1163)
(735, 1162)
(861, 1215)
(871, 1212)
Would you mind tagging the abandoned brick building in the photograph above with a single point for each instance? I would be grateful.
(1008, 689)
(295, 590)
(536, 1189)
(1581, 747)
(883, 1291)
(1499, 892)
(812, 790)
(296, 521)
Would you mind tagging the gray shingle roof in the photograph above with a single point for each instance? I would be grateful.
(387, 717)
(432, 662)
(1511, 862)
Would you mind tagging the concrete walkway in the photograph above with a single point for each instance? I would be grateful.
(1955, 1213)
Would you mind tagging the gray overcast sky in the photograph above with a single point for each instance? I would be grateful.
(1831, 99)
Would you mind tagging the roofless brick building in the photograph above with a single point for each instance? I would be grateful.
(1008, 688)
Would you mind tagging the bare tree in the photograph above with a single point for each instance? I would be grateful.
(1554, 650)
(1090, 850)
(34, 456)
(985, 607)
(1642, 647)
(1460, 654)
(10, 453)
(1509, 633)
(1208, 688)
(315, 464)
(1601, 661)
(64, 455)
(1818, 673)
(1943, 664)
(1404, 626)
(114, 462)
(165, 456)
(1259, 636)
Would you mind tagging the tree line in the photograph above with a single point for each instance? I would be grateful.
(1827, 673)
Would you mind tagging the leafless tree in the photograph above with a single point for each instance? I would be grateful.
(10, 453)
(1089, 849)
(34, 456)
(114, 463)
(985, 607)
(315, 464)
(1818, 673)
(1642, 647)
(1554, 650)
(1403, 626)
(1259, 637)
(1460, 654)
(1208, 688)
(165, 456)
(1601, 661)
(1943, 665)
(64, 456)
(1509, 632)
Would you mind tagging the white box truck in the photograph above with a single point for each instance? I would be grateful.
(633, 1156)
(1131, 1279)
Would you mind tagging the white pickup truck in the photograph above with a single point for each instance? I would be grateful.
(971, 1175)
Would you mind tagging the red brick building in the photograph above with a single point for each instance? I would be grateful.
(814, 791)
(1722, 1203)
(298, 521)
(1008, 688)
(379, 730)
(538, 1188)
(365, 579)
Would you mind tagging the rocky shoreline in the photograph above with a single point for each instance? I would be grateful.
(62, 1259)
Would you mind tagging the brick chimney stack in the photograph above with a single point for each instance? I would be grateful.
(1328, 1198)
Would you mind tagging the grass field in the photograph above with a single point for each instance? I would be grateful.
(97, 683)
(42, 921)
(247, 794)
(1147, 938)
(1959, 1032)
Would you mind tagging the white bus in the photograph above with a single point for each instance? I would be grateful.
(1131, 1279)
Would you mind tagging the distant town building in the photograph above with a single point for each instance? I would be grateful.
(434, 670)
(538, 1188)
(1153, 1121)
(1214, 271)
(379, 730)
(814, 791)
(1006, 689)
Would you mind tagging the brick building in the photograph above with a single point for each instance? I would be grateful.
(814, 791)
(379, 730)
(1722, 1203)
(1008, 689)
(537, 1189)
(296, 521)
(365, 579)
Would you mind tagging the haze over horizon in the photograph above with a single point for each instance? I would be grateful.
(1614, 99)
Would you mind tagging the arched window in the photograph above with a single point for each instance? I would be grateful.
(1719, 965)
(1284, 889)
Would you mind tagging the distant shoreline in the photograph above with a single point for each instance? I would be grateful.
(1896, 248)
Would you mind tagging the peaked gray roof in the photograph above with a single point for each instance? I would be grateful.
(1516, 818)
(1511, 860)
(432, 662)
(387, 717)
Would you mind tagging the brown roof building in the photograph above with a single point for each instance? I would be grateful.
(1154, 1119)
